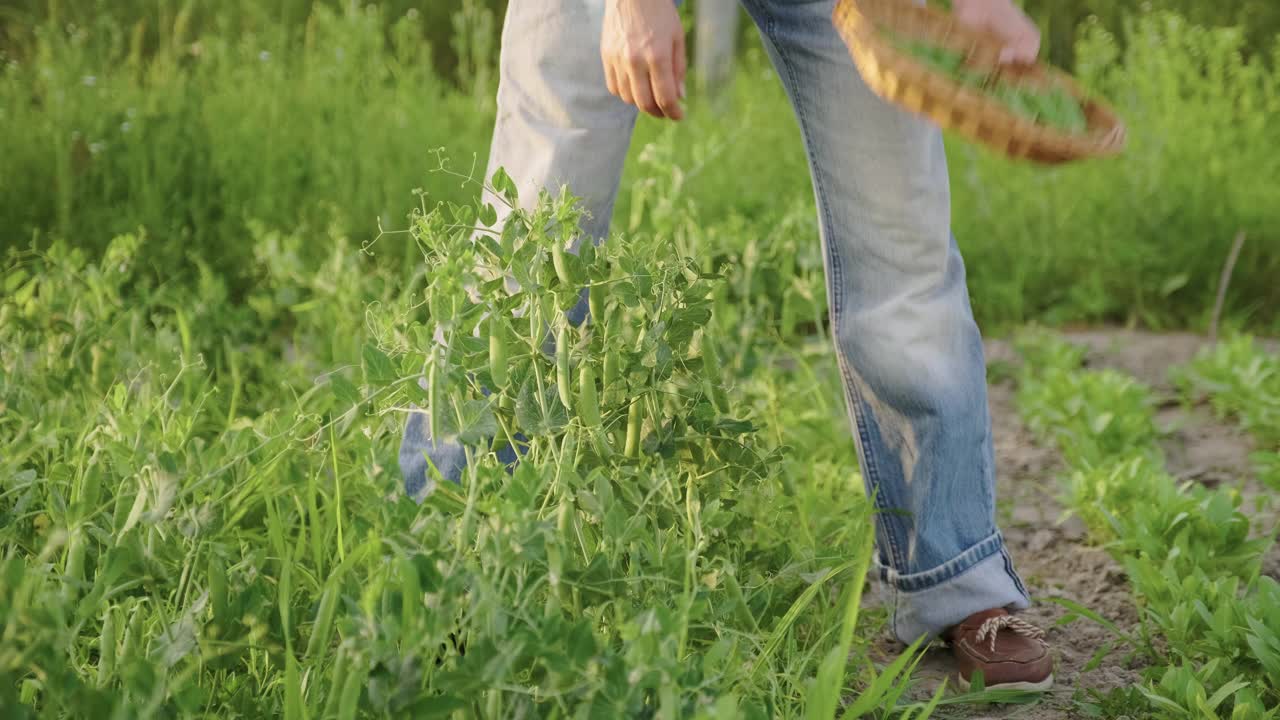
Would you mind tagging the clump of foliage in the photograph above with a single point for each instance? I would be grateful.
(1240, 380)
(641, 377)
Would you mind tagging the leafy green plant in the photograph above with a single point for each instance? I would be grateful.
(1185, 692)
(1239, 379)
(1190, 553)
(1092, 417)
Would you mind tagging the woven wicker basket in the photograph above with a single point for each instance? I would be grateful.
(901, 79)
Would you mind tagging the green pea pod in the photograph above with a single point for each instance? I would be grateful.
(634, 420)
(217, 589)
(1065, 111)
(555, 567)
(321, 631)
(595, 303)
(588, 399)
(410, 592)
(564, 519)
(1019, 102)
(107, 647)
(75, 562)
(498, 352)
(133, 642)
(563, 383)
(612, 374)
(123, 502)
(569, 450)
(561, 265)
(714, 375)
(435, 405)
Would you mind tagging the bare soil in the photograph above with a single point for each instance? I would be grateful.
(1053, 555)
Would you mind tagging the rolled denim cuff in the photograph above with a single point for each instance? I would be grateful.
(929, 602)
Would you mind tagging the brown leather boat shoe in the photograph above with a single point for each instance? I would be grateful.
(1010, 652)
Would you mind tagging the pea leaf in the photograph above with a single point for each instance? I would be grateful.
(505, 186)
(582, 643)
(343, 389)
(377, 366)
(538, 418)
(526, 265)
(477, 422)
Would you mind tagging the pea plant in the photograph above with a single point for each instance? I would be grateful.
(510, 361)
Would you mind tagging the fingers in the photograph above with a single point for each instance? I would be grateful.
(1022, 42)
(654, 83)
(1029, 47)
(1006, 21)
(650, 84)
(681, 60)
(666, 90)
(642, 46)
(617, 79)
(610, 78)
(642, 90)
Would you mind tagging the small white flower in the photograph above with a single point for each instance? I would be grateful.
(96, 147)
(412, 14)
(265, 55)
(90, 80)
(126, 126)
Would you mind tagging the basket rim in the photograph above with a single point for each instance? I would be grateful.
(859, 24)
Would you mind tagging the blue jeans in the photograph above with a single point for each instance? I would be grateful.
(909, 351)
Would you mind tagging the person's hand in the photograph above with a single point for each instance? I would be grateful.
(1006, 21)
(643, 51)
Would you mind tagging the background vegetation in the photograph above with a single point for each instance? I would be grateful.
(207, 349)
(189, 123)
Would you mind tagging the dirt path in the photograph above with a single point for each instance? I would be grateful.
(1052, 555)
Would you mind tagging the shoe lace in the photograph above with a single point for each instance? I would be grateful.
(992, 627)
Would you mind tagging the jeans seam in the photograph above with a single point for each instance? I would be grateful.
(1013, 573)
